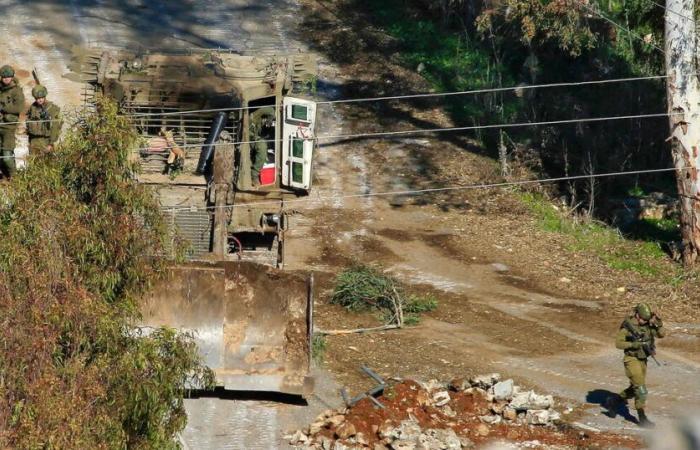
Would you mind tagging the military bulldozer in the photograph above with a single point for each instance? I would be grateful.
(227, 140)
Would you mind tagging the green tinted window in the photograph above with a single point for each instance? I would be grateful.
(300, 112)
(297, 148)
(297, 172)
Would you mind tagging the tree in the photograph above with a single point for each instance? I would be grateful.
(683, 90)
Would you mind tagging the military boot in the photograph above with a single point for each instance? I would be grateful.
(644, 421)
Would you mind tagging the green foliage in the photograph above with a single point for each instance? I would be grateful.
(533, 42)
(361, 288)
(319, 346)
(599, 239)
(364, 287)
(561, 23)
(78, 253)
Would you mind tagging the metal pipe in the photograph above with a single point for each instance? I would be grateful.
(207, 154)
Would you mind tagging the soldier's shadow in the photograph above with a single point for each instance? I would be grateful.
(611, 403)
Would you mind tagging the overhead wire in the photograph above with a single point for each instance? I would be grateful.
(393, 97)
(435, 130)
(429, 190)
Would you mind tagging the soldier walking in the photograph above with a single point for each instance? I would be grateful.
(11, 105)
(637, 339)
(44, 122)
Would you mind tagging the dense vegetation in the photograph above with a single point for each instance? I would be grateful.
(464, 45)
(75, 371)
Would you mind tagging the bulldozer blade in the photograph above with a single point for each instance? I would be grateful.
(252, 323)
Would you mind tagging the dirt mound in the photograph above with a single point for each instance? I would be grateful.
(456, 415)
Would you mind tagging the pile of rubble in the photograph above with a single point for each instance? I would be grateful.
(438, 416)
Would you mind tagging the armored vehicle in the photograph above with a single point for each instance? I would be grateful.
(228, 139)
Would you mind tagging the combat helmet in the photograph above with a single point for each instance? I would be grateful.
(643, 310)
(39, 91)
(7, 71)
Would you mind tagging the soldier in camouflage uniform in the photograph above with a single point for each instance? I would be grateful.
(262, 131)
(44, 122)
(636, 337)
(11, 105)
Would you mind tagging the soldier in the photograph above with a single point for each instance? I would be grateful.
(11, 105)
(43, 122)
(637, 338)
(262, 131)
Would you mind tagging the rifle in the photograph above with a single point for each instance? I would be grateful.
(649, 347)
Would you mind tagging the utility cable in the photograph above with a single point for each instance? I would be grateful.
(437, 130)
(420, 95)
(430, 190)
(386, 98)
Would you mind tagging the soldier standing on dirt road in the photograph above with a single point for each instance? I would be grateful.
(43, 121)
(637, 338)
(11, 105)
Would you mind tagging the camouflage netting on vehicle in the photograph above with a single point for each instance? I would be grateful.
(77, 232)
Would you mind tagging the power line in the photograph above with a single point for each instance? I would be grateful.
(385, 98)
(672, 11)
(421, 95)
(621, 27)
(440, 130)
(431, 190)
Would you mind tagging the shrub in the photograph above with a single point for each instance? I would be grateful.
(76, 255)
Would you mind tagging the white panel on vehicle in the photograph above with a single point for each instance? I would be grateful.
(298, 142)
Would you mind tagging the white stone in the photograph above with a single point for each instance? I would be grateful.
(529, 400)
(503, 390)
(403, 445)
(492, 419)
(299, 437)
(441, 398)
(540, 416)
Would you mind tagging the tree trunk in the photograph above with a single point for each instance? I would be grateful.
(684, 106)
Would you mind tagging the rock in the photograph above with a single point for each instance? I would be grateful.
(433, 385)
(485, 381)
(541, 416)
(529, 400)
(379, 446)
(441, 398)
(465, 442)
(325, 442)
(420, 68)
(492, 419)
(361, 439)
(336, 420)
(345, 430)
(498, 407)
(621, 289)
(503, 390)
(403, 445)
(423, 398)
(315, 427)
(564, 280)
(299, 437)
(498, 267)
(482, 430)
(408, 430)
(386, 430)
(340, 446)
(449, 412)
(459, 384)
(326, 414)
(509, 413)
(439, 439)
